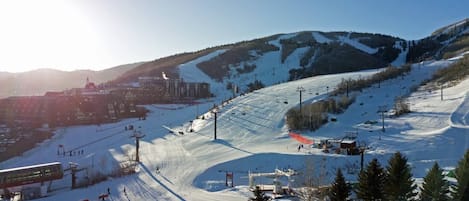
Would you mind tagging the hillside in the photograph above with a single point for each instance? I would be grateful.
(446, 42)
(308, 53)
(37, 82)
(296, 55)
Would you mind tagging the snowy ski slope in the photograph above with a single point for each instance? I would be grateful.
(252, 136)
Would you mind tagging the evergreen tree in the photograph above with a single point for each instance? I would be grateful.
(371, 182)
(461, 190)
(258, 195)
(399, 183)
(435, 187)
(340, 190)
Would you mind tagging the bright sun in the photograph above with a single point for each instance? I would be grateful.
(45, 34)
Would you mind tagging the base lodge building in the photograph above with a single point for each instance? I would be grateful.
(97, 104)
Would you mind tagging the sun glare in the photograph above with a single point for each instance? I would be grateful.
(45, 34)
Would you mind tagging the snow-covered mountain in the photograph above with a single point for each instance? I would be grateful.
(445, 42)
(283, 57)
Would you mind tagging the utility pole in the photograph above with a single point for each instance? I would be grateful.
(137, 135)
(300, 89)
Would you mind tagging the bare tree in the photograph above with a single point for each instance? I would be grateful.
(314, 180)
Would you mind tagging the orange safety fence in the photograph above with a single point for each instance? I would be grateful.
(300, 138)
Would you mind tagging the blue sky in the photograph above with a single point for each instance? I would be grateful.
(98, 34)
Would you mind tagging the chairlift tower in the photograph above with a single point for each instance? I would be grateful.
(301, 90)
(215, 111)
(137, 135)
(382, 109)
(73, 167)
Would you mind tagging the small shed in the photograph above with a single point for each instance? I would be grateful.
(348, 144)
(349, 147)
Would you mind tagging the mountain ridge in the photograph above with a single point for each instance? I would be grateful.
(240, 57)
(323, 53)
(39, 81)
